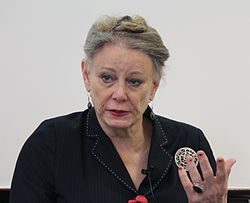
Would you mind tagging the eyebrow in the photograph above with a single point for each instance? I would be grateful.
(107, 69)
(136, 72)
(133, 73)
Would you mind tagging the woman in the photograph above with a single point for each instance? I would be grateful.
(118, 150)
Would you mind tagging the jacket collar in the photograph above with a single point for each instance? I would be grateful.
(105, 153)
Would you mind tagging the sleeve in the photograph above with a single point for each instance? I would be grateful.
(33, 179)
(205, 146)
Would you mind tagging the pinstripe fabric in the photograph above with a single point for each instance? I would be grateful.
(69, 159)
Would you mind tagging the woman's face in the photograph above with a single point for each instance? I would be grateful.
(121, 84)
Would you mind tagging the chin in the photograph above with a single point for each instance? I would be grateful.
(118, 124)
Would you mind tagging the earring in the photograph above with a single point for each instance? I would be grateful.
(152, 114)
(89, 105)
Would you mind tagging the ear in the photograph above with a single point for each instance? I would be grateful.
(154, 89)
(86, 74)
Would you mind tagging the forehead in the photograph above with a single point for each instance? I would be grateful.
(121, 58)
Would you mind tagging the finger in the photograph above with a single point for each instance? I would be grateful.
(229, 164)
(193, 172)
(221, 173)
(185, 181)
(206, 168)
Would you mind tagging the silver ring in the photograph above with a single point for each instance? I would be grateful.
(198, 188)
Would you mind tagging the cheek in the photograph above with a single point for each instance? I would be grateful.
(99, 95)
(144, 98)
(141, 100)
(147, 94)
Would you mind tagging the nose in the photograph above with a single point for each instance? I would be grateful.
(119, 92)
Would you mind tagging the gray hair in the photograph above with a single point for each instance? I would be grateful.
(134, 33)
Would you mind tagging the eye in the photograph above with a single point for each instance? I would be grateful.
(134, 82)
(106, 78)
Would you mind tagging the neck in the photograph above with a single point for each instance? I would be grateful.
(133, 147)
(137, 138)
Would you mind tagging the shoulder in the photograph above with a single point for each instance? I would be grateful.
(41, 153)
(72, 120)
(177, 126)
(181, 134)
(55, 130)
(52, 137)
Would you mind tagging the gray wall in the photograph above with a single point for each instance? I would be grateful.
(207, 78)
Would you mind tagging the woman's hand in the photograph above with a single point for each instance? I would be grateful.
(214, 187)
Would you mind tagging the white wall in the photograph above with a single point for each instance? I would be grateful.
(207, 82)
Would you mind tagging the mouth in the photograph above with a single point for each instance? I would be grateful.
(118, 112)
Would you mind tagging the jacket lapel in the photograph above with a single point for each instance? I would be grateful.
(105, 153)
(159, 159)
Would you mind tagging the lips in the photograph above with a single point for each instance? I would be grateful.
(118, 112)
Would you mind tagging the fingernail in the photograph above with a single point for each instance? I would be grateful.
(220, 160)
(190, 159)
(200, 153)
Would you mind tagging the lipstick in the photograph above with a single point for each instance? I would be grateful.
(118, 112)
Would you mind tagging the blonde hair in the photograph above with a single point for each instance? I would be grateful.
(134, 33)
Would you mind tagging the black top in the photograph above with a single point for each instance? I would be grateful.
(69, 159)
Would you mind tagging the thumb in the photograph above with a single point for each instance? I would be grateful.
(229, 164)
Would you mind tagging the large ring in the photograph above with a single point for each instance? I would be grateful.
(198, 188)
